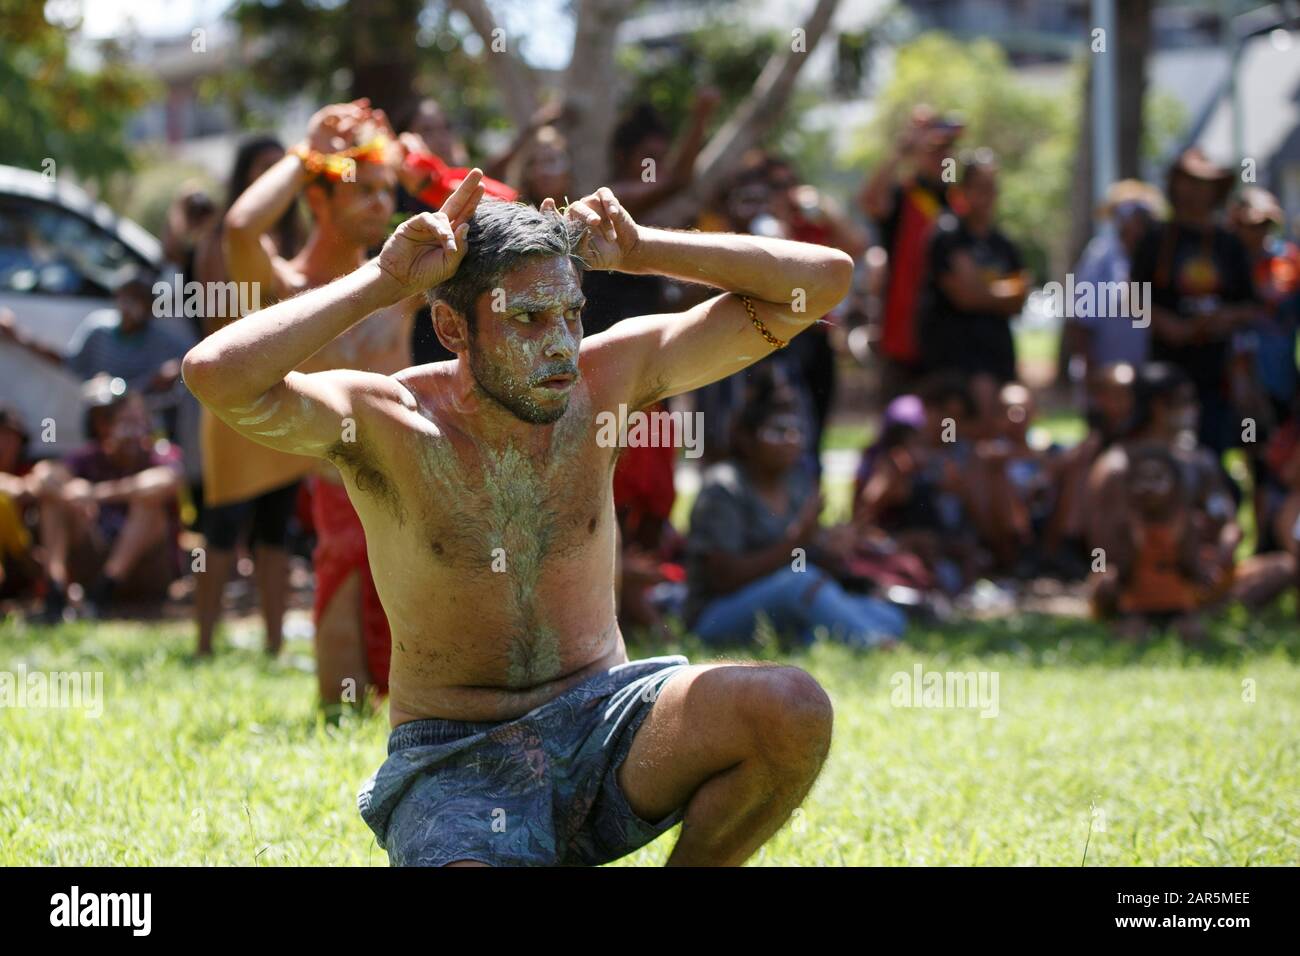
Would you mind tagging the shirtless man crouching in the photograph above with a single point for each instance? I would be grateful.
(521, 732)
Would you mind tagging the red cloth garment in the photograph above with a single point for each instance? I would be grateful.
(643, 480)
(918, 210)
(340, 551)
(444, 179)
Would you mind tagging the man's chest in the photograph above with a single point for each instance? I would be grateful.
(476, 507)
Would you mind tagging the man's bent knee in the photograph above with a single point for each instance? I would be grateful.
(789, 716)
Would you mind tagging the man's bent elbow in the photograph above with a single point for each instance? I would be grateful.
(235, 223)
(200, 370)
(835, 282)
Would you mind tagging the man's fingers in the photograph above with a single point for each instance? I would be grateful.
(429, 222)
(608, 201)
(457, 201)
(548, 205)
(604, 200)
(462, 238)
(585, 214)
(468, 211)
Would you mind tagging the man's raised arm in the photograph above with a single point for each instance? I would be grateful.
(245, 374)
(777, 289)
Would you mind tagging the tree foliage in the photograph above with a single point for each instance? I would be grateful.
(55, 108)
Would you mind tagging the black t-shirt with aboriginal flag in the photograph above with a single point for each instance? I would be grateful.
(1194, 271)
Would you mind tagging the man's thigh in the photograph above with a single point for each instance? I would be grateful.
(706, 720)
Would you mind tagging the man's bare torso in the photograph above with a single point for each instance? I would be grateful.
(495, 563)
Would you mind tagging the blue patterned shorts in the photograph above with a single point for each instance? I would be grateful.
(538, 790)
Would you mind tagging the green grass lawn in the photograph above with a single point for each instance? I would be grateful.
(1154, 749)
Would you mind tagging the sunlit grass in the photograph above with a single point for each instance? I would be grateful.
(227, 763)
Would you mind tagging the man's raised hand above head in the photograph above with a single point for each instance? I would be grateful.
(427, 249)
(611, 236)
(777, 289)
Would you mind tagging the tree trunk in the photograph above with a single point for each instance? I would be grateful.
(514, 78)
(752, 118)
(1134, 28)
(383, 51)
(591, 86)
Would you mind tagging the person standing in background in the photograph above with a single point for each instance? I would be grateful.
(905, 196)
(1201, 290)
(250, 491)
(1128, 213)
(976, 285)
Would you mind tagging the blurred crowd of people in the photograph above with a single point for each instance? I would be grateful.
(961, 483)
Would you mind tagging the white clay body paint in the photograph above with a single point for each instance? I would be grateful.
(261, 416)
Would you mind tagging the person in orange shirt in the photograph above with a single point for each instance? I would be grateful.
(1156, 578)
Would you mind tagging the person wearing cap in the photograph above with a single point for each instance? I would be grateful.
(109, 519)
(1265, 376)
(1127, 214)
(19, 569)
(904, 196)
(1201, 290)
(1256, 219)
(123, 342)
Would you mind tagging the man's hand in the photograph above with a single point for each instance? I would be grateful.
(333, 128)
(612, 235)
(427, 249)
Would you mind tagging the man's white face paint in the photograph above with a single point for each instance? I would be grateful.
(526, 358)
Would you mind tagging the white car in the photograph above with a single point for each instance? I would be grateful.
(61, 255)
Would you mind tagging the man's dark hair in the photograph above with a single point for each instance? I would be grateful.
(943, 387)
(641, 123)
(136, 278)
(503, 235)
(103, 397)
(1155, 382)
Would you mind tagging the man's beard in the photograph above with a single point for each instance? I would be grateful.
(515, 397)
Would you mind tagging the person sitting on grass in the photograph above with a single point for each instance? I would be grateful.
(1155, 577)
(20, 571)
(1109, 413)
(1265, 575)
(1166, 415)
(109, 517)
(755, 546)
(1034, 470)
(921, 494)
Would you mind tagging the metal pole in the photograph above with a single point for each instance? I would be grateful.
(1105, 115)
(1235, 47)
